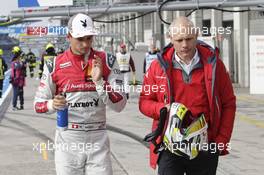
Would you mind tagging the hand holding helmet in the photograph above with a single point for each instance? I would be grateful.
(185, 134)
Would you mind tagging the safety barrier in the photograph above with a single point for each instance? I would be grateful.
(6, 97)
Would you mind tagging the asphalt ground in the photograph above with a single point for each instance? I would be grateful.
(24, 135)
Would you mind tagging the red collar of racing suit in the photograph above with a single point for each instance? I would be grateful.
(75, 56)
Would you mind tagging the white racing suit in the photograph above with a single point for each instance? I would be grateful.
(84, 147)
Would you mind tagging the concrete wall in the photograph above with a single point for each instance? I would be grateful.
(256, 24)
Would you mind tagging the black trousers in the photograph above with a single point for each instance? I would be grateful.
(31, 70)
(1, 87)
(18, 92)
(204, 164)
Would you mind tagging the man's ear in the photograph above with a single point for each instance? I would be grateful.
(198, 33)
(69, 36)
(168, 34)
(196, 36)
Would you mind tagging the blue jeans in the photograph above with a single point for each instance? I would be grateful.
(18, 92)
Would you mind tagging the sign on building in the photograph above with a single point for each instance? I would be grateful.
(43, 3)
(256, 43)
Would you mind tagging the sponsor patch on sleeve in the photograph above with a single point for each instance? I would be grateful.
(110, 60)
(66, 64)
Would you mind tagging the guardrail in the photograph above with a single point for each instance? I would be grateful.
(6, 97)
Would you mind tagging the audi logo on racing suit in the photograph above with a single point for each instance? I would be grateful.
(116, 71)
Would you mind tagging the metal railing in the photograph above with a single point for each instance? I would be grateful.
(134, 7)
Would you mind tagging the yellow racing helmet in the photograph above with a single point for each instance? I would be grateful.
(16, 49)
(1, 52)
(185, 135)
(49, 45)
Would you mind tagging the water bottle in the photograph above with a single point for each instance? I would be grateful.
(62, 118)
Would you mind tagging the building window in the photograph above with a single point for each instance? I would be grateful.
(207, 25)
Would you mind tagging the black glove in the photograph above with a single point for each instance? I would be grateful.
(152, 137)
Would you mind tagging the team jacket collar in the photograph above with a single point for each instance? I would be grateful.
(206, 52)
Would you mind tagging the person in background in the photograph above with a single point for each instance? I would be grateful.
(48, 54)
(126, 62)
(60, 51)
(17, 78)
(150, 56)
(3, 68)
(31, 60)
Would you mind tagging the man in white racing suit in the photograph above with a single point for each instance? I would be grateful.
(91, 81)
(125, 61)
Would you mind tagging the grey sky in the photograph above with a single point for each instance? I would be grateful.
(8, 6)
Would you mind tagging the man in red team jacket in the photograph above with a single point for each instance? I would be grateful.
(192, 74)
